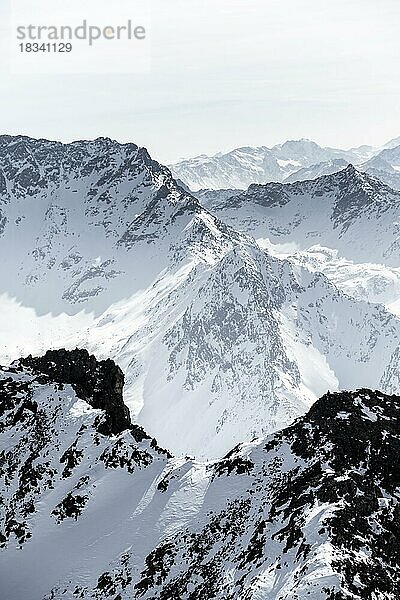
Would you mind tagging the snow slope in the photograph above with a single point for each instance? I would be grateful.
(349, 211)
(386, 165)
(364, 281)
(219, 341)
(318, 170)
(75, 216)
(216, 355)
(92, 508)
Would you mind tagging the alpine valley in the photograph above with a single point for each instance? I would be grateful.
(258, 312)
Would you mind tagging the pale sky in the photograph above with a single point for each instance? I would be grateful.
(227, 74)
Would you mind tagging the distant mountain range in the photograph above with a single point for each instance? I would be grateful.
(386, 165)
(295, 160)
(350, 211)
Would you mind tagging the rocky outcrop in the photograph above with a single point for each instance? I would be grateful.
(99, 383)
(310, 512)
(317, 515)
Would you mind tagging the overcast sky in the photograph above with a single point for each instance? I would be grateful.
(227, 74)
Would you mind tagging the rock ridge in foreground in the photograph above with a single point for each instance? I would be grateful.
(99, 383)
(309, 513)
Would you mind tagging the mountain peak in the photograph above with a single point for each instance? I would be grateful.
(361, 182)
(350, 169)
(297, 142)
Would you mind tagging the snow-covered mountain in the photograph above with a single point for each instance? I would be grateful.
(306, 153)
(318, 170)
(349, 211)
(365, 281)
(294, 160)
(75, 216)
(244, 166)
(219, 340)
(222, 339)
(240, 349)
(92, 508)
(394, 143)
(363, 153)
(236, 169)
(386, 166)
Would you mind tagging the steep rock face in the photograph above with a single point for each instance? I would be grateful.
(317, 515)
(225, 353)
(209, 197)
(75, 217)
(310, 512)
(62, 458)
(391, 179)
(353, 193)
(100, 384)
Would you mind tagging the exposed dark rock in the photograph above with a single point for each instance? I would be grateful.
(71, 506)
(100, 383)
(262, 513)
(347, 449)
(236, 465)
